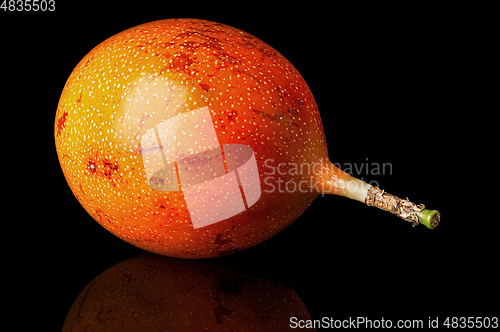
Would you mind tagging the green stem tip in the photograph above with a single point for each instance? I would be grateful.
(429, 218)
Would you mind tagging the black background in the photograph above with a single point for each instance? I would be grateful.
(389, 86)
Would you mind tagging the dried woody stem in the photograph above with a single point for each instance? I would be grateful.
(402, 208)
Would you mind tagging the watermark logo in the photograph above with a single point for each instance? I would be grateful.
(183, 153)
(292, 177)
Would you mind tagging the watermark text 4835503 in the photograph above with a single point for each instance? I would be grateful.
(28, 5)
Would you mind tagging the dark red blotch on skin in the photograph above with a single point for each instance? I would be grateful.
(61, 122)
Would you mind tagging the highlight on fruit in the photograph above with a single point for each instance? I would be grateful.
(190, 138)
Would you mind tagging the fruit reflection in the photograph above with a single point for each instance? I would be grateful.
(156, 293)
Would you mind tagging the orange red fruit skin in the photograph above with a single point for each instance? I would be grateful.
(255, 96)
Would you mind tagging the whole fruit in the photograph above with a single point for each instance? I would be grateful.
(193, 139)
(155, 293)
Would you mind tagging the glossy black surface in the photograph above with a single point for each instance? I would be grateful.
(377, 79)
